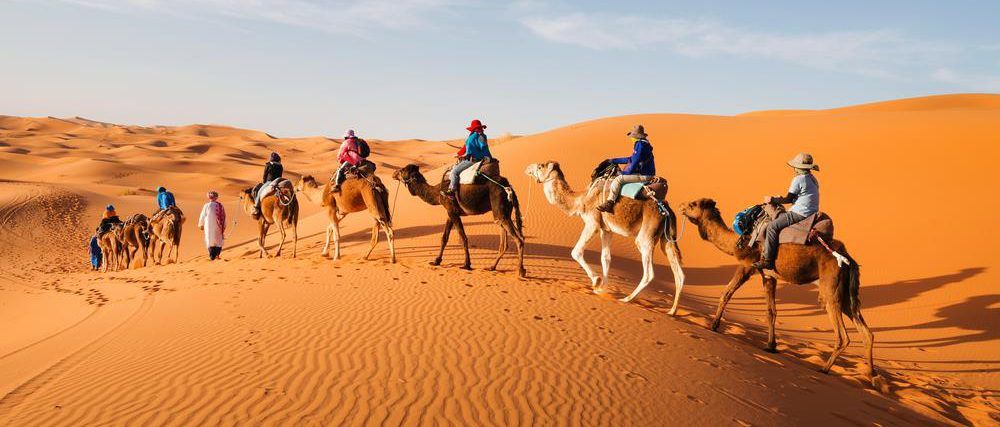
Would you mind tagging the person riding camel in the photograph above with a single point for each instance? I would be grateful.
(640, 167)
(110, 218)
(164, 200)
(803, 194)
(476, 149)
(272, 172)
(350, 154)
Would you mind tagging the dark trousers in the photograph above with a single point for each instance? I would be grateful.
(774, 230)
(214, 252)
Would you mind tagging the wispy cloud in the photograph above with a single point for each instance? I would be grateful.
(879, 52)
(973, 81)
(335, 16)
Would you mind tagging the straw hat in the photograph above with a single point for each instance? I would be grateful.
(638, 132)
(803, 161)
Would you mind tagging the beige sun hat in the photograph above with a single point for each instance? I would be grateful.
(637, 132)
(803, 161)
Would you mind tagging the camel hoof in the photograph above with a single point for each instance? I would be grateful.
(626, 299)
(522, 273)
(824, 370)
(494, 268)
(436, 262)
(880, 384)
(672, 313)
(714, 327)
(771, 348)
(466, 267)
(598, 290)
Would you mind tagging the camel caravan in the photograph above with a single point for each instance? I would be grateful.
(625, 196)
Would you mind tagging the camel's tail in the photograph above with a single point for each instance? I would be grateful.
(518, 219)
(669, 235)
(382, 203)
(850, 288)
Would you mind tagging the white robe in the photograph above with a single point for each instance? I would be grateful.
(214, 226)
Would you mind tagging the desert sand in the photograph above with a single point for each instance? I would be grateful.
(314, 341)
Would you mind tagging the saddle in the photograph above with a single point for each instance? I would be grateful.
(657, 188)
(361, 171)
(487, 167)
(802, 232)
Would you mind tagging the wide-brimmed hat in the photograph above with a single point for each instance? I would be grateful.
(475, 125)
(637, 132)
(349, 134)
(803, 161)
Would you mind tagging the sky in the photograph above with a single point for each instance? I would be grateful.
(424, 68)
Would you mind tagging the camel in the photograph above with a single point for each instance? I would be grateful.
(111, 248)
(355, 195)
(476, 199)
(799, 264)
(166, 228)
(135, 239)
(280, 208)
(640, 220)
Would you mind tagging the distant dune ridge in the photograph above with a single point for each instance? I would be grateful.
(313, 341)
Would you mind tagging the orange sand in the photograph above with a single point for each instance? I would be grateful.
(314, 341)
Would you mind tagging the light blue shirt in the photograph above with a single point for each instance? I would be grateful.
(806, 188)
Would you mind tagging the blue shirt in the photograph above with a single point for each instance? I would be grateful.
(475, 146)
(806, 189)
(165, 199)
(640, 162)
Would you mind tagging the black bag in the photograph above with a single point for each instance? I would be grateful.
(363, 149)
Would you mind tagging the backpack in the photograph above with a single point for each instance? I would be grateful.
(744, 221)
(363, 149)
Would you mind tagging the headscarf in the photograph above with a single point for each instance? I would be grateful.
(213, 195)
(161, 190)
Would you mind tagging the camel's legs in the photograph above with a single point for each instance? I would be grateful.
(770, 284)
(869, 338)
(326, 246)
(262, 227)
(336, 237)
(605, 257)
(589, 229)
(675, 267)
(740, 277)
(508, 226)
(444, 240)
(465, 243)
(646, 250)
(503, 247)
(374, 240)
(295, 239)
(389, 235)
(281, 232)
(843, 340)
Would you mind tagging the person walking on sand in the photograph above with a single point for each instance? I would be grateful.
(804, 196)
(476, 149)
(640, 167)
(213, 221)
(94, 250)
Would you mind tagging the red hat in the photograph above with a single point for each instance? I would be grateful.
(475, 125)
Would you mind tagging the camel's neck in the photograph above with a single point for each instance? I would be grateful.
(313, 194)
(430, 194)
(558, 193)
(714, 230)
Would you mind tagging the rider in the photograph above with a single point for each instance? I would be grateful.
(110, 218)
(272, 172)
(349, 154)
(804, 196)
(640, 167)
(164, 200)
(475, 149)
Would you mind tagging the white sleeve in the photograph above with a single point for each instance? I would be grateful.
(204, 213)
(796, 187)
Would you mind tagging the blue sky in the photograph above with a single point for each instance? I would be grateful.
(424, 68)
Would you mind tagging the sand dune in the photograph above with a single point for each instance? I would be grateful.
(315, 341)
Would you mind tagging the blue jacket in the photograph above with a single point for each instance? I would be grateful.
(476, 147)
(165, 199)
(640, 162)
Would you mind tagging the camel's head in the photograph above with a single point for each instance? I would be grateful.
(408, 174)
(544, 171)
(306, 182)
(697, 209)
